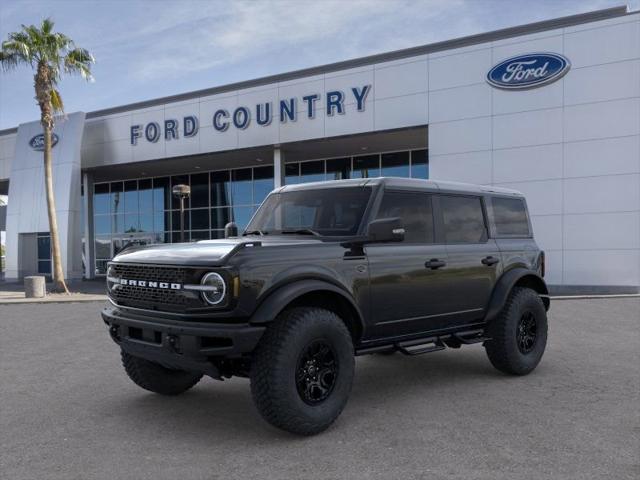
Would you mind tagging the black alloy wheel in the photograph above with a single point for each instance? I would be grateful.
(527, 332)
(317, 372)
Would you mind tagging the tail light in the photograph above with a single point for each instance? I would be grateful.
(542, 264)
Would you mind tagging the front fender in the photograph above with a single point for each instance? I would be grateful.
(277, 300)
(504, 285)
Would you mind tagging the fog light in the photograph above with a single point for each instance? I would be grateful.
(215, 288)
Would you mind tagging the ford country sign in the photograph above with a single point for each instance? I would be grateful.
(37, 142)
(528, 71)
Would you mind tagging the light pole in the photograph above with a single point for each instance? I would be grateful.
(182, 192)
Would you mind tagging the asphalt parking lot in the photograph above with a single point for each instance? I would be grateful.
(68, 411)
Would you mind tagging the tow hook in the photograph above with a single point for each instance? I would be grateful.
(172, 342)
(114, 331)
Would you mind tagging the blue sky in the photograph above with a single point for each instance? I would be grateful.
(149, 49)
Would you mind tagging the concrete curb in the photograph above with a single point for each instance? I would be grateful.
(57, 299)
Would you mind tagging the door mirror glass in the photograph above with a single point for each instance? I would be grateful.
(385, 230)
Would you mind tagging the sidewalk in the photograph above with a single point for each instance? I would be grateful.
(81, 291)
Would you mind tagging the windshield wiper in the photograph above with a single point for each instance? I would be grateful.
(254, 232)
(300, 231)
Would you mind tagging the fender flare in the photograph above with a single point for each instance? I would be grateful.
(505, 284)
(282, 296)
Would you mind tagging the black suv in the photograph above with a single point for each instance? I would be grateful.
(323, 272)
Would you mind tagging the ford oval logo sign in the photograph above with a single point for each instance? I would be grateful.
(37, 142)
(528, 71)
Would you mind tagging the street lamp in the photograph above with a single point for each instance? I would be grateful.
(182, 192)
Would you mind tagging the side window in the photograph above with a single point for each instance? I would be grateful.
(415, 211)
(463, 219)
(510, 217)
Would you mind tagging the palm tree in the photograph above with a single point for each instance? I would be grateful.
(50, 55)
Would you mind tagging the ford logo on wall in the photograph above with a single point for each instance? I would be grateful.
(528, 71)
(37, 142)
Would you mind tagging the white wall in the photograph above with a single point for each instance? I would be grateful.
(7, 151)
(573, 146)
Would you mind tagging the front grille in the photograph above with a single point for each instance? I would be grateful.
(162, 299)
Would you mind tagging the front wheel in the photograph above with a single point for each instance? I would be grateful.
(302, 370)
(156, 378)
(518, 334)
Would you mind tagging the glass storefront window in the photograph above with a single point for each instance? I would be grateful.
(220, 217)
(200, 190)
(220, 189)
(241, 191)
(291, 173)
(161, 194)
(262, 183)
(395, 164)
(117, 192)
(146, 222)
(200, 219)
(175, 220)
(101, 198)
(131, 203)
(420, 164)
(102, 224)
(242, 215)
(145, 195)
(339, 168)
(312, 171)
(367, 166)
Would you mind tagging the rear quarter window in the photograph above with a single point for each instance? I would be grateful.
(510, 217)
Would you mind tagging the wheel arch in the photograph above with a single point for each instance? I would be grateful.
(312, 293)
(517, 277)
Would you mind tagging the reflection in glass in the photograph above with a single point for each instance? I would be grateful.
(145, 195)
(312, 171)
(220, 189)
(116, 198)
(241, 187)
(338, 168)
(200, 219)
(146, 222)
(242, 215)
(44, 247)
(131, 196)
(175, 220)
(196, 235)
(200, 190)
(101, 198)
(420, 164)
(220, 217)
(103, 247)
(161, 194)
(366, 167)
(179, 180)
(44, 267)
(262, 183)
(102, 224)
(131, 223)
(395, 164)
(291, 173)
(161, 222)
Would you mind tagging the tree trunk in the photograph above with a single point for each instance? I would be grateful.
(59, 284)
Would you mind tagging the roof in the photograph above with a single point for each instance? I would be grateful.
(371, 59)
(399, 182)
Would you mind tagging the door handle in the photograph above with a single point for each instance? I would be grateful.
(434, 264)
(488, 261)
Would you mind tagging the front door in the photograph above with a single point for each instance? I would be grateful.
(406, 291)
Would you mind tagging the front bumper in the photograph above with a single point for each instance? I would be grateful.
(189, 346)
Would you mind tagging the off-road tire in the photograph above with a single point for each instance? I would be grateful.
(156, 378)
(277, 361)
(503, 350)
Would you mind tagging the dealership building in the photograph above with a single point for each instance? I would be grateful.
(551, 109)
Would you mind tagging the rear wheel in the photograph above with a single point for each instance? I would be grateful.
(156, 378)
(302, 370)
(519, 334)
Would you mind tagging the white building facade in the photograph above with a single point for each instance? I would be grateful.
(551, 109)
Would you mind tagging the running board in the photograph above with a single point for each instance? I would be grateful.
(429, 344)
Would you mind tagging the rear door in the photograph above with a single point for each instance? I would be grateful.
(474, 261)
(406, 294)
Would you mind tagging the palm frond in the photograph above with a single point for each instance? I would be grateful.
(79, 61)
(56, 101)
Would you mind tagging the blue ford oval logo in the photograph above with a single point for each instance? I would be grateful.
(528, 71)
(37, 142)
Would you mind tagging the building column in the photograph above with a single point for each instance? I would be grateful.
(87, 222)
(278, 168)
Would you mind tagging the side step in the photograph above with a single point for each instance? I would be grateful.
(429, 344)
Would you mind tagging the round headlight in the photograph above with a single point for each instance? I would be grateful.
(215, 288)
(111, 274)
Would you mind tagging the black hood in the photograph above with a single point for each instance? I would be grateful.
(206, 252)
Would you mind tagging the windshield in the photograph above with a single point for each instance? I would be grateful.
(324, 212)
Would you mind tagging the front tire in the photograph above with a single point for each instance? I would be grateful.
(519, 334)
(156, 378)
(302, 370)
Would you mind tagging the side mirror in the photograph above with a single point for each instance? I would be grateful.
(230, 230)
(385, 230)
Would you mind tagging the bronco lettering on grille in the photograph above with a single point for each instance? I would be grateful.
(150, 284)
